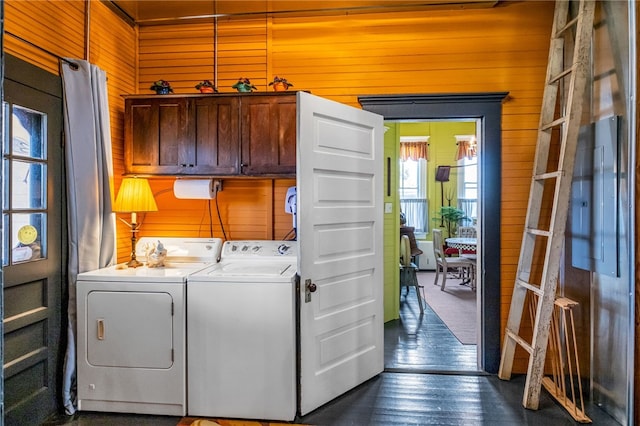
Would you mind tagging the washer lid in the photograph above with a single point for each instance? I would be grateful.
(255, 268)
(247, 269)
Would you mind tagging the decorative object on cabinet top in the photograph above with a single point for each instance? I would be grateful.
(206, 86)
(161, 87)
(280, 84)
(244, 85)
(193, 95)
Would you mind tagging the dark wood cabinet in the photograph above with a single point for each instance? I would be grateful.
(215, 139)
(268, 134)
(213, 135)
(156, 135)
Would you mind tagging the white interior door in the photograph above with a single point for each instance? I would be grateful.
(339, 193)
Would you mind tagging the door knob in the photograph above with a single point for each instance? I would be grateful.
(309, 287)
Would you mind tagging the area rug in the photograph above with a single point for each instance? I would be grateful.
(195, 421)
(456, 306)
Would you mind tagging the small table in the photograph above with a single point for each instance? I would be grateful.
(469, 244)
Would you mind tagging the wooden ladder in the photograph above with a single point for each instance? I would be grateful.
(543, 236)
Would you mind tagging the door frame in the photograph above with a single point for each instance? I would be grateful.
(488, 108)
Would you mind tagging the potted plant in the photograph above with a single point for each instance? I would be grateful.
(161, 87)
(450, 217)
(206, 86)
(244, 85)
(280, 84)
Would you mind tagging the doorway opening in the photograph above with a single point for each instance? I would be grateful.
(445, 337)
(487, 108)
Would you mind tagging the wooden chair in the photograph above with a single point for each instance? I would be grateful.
(460, 265)
(467, 232)
(409, 232)
(408, 270)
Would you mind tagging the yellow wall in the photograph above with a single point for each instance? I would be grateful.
(503, 49)
(391, 224)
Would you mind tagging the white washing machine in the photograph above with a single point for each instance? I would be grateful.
(241, 333)
(131, 344)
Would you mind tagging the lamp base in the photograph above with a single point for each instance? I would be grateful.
(134, 263)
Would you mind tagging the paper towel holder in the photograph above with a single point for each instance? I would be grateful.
(216, 187)
(213, 187)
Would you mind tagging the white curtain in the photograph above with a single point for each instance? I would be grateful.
(416, 211)
(89, 168)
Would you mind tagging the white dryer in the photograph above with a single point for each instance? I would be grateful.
(241, 333)
(131, 344)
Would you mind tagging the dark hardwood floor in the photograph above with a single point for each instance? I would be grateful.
(430, 378)
(423, 343)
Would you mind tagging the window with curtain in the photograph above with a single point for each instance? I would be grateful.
(414, 154)
(468, 176)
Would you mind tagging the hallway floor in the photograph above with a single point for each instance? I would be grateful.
(423, 343)
(442, 387)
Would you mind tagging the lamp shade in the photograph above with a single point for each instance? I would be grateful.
(135, 196)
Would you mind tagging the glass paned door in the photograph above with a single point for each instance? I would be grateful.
(33, 241)
(25, 177)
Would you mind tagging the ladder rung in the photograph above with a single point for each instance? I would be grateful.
(531, 287)
(565, 303)
(569, 24)
(540, 232)
(549, 175)
(554, 123)
(519, 340)
(561, 75)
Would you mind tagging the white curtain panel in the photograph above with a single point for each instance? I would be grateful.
(89, 168)
(416, 212)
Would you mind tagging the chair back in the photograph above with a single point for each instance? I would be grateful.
(438, 244)
(467, 232)
(409, 232)
(405, 251)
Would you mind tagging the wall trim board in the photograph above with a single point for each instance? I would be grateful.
(487, 107)
(24, 73)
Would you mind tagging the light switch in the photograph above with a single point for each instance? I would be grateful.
(388, 208)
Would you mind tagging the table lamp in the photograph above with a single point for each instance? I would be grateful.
(134, 197)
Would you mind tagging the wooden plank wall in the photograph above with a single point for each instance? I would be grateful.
(341, 57)
(54, 26)
(338, 57)
(58, 27)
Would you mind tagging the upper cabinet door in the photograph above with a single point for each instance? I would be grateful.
(156, 135)
(268, 135)
(215, 146)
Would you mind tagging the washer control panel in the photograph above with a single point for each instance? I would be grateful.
(259, 249)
